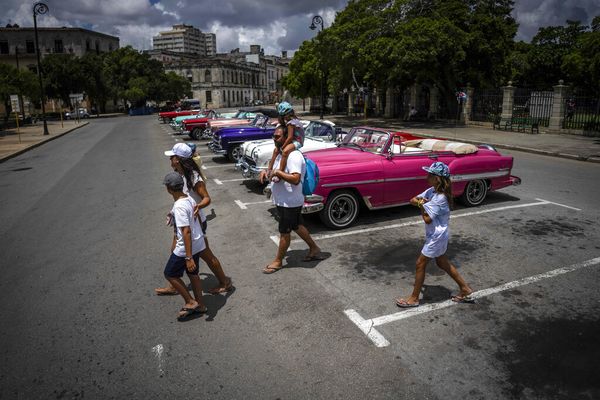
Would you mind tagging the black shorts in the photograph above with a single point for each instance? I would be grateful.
(176, 266)
(289, 218)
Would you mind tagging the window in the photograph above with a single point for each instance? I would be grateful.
(208, 96)
(4, 47)
(58, 46)
(207, 76)
(88, 46)
(110, 47)
(29, 46)
(97, 47)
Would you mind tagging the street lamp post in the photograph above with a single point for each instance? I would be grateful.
(317, 20)
(40, 9)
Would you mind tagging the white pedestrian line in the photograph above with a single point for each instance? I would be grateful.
(243, 206)
(158, 352)
(367, 326)
(216, 166)
(560, 205)
(220, 182)
(417, 222)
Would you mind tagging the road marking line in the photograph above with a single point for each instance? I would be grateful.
(158, 351)
(560, 205)
(366, 325)
(420, 221)
(220, 182)
(215, 166)
(243, 206)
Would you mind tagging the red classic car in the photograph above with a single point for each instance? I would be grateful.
(377, 169)
(167, 116)
(199, 127)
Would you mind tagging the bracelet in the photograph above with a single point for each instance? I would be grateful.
(188, 258)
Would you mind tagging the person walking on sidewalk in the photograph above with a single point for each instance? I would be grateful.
(187, 247)
(182, 161)
(287, 196)
(435, 204)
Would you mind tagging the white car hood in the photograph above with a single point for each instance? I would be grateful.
(265, 148)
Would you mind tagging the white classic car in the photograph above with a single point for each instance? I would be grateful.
(257, 154)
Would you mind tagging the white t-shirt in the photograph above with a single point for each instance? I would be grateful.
(183, 215)
(437, 233)
(285, 194)
(192, 193)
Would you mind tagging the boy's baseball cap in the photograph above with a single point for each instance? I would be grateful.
(173, 180)
(180, 150)
(438, 168)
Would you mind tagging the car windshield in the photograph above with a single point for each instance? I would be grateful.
(366, 139)
(245, 114)
(316, 129)
(260, 120)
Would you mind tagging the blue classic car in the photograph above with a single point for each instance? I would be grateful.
(228, 141)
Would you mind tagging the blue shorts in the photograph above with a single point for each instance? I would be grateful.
(176, 266)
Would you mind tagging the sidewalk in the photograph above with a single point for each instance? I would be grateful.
(32, 136)
(575, 147)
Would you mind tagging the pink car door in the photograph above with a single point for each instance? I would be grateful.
(404, 174)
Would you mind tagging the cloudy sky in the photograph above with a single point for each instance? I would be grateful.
(275, 24)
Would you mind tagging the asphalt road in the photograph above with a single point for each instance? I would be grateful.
(83, 245)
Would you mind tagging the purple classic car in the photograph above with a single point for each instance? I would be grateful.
(228, 141)
(377, 169)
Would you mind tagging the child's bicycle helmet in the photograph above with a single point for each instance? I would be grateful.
(284, 108)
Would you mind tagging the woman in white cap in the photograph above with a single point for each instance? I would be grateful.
(182, 161)
(435, 204)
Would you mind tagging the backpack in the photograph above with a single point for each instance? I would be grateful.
(311, 177)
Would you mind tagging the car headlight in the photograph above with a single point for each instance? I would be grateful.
(255, 154)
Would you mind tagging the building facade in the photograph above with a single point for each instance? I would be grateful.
(186, 39)
(17, 45)
(219, 82)
(233, 79)
(210, 42)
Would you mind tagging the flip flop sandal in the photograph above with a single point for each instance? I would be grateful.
(404, 304)
(218, 290)
(463, 299)
(165, 292)
(186, 312)
(271, 270)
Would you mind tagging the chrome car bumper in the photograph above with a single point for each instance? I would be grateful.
(216, 148)
(313, 203)
(248, 171)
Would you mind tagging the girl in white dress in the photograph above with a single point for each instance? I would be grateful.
(435, 204)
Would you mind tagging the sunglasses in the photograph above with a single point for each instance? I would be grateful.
(277, 137)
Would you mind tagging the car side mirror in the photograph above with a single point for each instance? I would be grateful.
(390, 152)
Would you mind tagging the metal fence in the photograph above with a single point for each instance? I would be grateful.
(487, 105)
(582, 112)
(448, 107)
(534, 104)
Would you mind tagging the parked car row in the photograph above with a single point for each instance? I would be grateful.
(364, 169)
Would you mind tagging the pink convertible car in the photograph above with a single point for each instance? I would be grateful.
(377, 169)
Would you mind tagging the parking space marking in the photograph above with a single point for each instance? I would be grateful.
(367, 325)
(216, 166)
(560, 205)
(243, 206)
(420, 221)
(220, 182)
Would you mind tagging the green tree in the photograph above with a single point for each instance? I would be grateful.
(63, 75)
(95, 83)
(14, 82)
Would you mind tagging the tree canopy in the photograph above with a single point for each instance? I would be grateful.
(121, 74)
(447, 43)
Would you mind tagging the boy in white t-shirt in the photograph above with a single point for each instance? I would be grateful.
(188, 244)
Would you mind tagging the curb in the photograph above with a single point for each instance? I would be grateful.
(33, 146)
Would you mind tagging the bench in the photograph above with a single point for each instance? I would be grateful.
(522, 124)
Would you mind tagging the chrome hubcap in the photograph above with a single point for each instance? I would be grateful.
(342, 210)
(476, 191)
